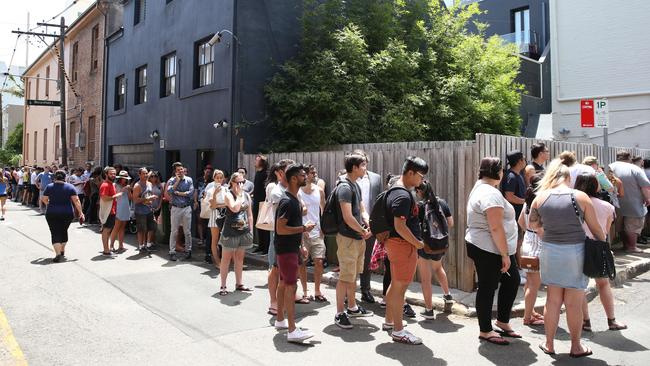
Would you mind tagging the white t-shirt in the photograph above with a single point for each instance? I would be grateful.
(604, 210)
(312, 201)
(77, 182)
(578, 169)
(276, 193)
(482, 197)
(364, 184)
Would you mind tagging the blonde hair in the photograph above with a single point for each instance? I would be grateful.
(234, 176)
(590, 160)
(217, 172)
(568, 158)
(556, 173)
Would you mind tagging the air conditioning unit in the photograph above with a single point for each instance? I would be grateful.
(80, 139)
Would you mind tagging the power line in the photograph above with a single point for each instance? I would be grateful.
(56, 16)
(11, 61)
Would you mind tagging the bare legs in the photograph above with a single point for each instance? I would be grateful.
(226, 257)
(533, 281)
(318, 273)
(395, 302)
(118, 232)
(606, 298)
(286, 294)
(214, 246)
(425, 269)
(572, 300)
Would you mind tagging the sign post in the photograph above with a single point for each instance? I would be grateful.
(601, 113)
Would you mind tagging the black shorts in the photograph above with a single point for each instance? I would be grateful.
(433, 257)
(110, 222)
(59, 225)
(145, 223)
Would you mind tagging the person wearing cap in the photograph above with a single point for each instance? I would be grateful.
(122, 210)
(60, 199)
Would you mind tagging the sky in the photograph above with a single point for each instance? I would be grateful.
(14, 16)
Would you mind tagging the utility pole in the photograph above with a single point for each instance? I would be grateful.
(61, 38)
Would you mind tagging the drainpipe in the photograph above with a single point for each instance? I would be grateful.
(104, 149)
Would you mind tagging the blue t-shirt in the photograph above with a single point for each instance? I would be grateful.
(59, 194)
(45, 179)
(513, 182)
(3, 188)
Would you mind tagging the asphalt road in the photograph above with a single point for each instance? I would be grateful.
(135, 310)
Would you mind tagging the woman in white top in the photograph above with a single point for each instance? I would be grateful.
(215, 192)
(588, 183)
(491, 241)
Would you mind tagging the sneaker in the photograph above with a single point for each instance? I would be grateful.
(2, 218)
(142, 248)
(149, 245)
(172, 257)
(448, 299)
(405, 337)
(359, 313)
(299, 335)
(342, 321)
(427, 314)
(57, 259)
(188, 256)
(408, 311)
(282, 325)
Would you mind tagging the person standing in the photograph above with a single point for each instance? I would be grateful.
(633, 204)
(350, 240)
(402, 245)
(491, 241)
(201, 183)
(569, 159)
(248, 187)
(108, 207)
(4, 184)
(122, 210)
(181, 191)
(92, 208)
(19, 178)
(540, 154)
(42, 180)
(143, 198)
(78, 183)
(60, 199)
(156, 204)
(33, 198)
(259, 195)
(313, 241)
(289, 230)
(215, 193)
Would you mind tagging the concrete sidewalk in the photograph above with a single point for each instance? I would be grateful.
(627, 266)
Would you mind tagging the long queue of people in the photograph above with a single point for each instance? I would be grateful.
(519, 227)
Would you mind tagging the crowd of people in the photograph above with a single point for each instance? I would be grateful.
(522, 213)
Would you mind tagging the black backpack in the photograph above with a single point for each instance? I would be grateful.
(435, 231)
(381, 221)
(331, 219)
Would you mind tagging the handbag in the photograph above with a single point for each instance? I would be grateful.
(205, 205)
(265, 219)
(529, 263)
(598, 259)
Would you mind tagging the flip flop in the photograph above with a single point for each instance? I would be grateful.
(588, 352)
(320, 298)
(303, 301)
(243, 288)
(542, 346)
(507, 333)
(533, 322)
(272, 311)
(495, 339)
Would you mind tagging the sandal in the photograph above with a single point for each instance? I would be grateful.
(223, 291)
(588, 352)
(586, 325)
(538, 316)
(272, 311)
(614, 325)
(304, 300)
(495, 339)
(243, 288)
(533, 322)
(542, 346)
(320, 298)
(507, 332)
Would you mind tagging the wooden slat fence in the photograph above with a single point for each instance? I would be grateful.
(453, 171)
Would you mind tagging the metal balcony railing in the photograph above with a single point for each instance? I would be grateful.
(526, 41)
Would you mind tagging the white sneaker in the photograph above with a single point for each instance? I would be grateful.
(299, 335)
(405, 337)
(149, 245)
(282, 325)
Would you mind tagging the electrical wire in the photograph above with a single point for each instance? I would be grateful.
(54, 17)
(11, 61)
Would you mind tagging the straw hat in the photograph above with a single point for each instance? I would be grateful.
(123, 175)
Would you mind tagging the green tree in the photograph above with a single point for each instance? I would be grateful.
(392, 70)
(14, 142)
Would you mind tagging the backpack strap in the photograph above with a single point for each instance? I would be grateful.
(388, 213)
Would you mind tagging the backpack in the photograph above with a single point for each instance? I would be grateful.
(331, 218)
(381, 222)
(435, 232)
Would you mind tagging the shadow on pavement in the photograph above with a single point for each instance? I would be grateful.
(362, 331)
(101, 257)
(517, 350)
(615, 340)
(281, 344)
(42, 261)
(409, 355)
(233, 298)
(587, 361)
(441, 324)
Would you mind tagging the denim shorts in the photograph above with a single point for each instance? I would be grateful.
(561, 265)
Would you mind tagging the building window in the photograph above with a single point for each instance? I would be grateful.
(139, 11)
(120, 92)
(75, 57)
(141, 84)
(94, 44)
(57, 145)
(45, 145)
(91, 138)
(72, 135)
(204, 63)
(520, 25)
(47, 81)
(38, 79)
(35, 145)
(168, 82)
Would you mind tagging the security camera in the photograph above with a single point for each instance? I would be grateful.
(215, 39)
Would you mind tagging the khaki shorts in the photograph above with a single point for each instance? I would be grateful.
(315, 247)
(633, 224)
(350, 254)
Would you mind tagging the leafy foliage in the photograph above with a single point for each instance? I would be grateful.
(392, 70)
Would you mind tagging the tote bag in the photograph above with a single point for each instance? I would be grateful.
(265, 219)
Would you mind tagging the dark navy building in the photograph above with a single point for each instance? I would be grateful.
(526, 24)
(171, 95)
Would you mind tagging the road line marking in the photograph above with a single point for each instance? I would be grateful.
(9, 341)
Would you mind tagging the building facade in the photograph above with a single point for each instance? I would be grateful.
(170, 95)
(12, 116)
(84, 59)
(601, 53)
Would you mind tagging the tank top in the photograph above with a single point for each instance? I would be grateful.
(560, 219)
(156, 190)
(236, 223)
(312, 202)
(141, 208)
(538, 168)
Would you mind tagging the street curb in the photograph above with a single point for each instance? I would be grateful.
(623, 274)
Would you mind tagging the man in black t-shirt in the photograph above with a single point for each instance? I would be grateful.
(287, 240)
(402, 244)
